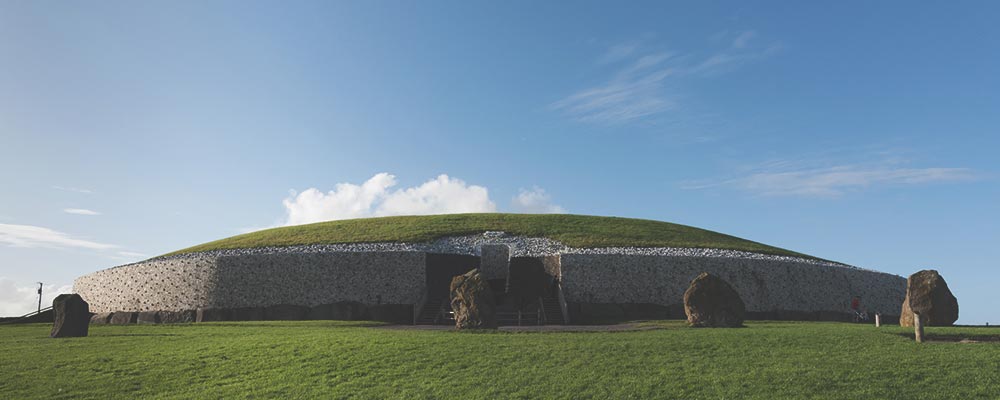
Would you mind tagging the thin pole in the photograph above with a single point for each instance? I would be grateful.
(39, 297)
(918, 328)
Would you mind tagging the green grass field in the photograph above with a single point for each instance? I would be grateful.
(572, 230)
(326, 359)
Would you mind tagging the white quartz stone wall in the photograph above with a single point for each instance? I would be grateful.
(256, 280)
(394, 273)
(764, 284)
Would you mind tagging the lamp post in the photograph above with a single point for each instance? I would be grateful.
(39, 297)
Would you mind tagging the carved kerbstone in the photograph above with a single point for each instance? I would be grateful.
(711, 302)
(124, 318)
(101, 319)
(148, 317)
(175, 317)
(473, 302)
(213, 315)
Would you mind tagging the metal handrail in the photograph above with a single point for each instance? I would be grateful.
(542, 318)
(28, 315)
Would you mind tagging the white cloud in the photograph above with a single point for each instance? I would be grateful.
(80, 211)
(535, 201)
(442, 195)
(73, 189)
(36, 236)
(345, 201)
(19, 298)
(640, 89)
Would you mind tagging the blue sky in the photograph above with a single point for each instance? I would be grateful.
(864, 133)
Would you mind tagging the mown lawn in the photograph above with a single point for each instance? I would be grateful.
(572, 230)
(325, 359)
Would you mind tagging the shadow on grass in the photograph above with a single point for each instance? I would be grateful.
(955, 338)
(136, 334)
(290, 324)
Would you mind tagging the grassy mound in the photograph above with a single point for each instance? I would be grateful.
(333, 360)
(572, 230)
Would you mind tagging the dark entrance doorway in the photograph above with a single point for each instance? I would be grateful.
(442, 267)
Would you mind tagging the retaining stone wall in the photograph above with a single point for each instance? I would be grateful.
(765, 285)
(233, 280)
(258, 280)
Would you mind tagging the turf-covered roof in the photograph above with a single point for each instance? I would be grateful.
(580, 231)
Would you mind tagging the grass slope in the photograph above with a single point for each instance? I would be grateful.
(327, 359)
(572, 230)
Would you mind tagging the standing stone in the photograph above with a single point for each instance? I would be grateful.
(472, 301)
(711, 302)
(72, 316)
(927, 294)
(494, 261)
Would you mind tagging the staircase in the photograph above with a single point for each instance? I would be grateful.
(552, 310)
(436, 311)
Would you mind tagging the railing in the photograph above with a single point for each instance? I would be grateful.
(542, 318)
(14, 320)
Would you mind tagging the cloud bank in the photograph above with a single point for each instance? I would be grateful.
(373, 198)
(19, 298)
(376, 198)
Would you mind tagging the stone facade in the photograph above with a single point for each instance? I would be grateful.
(763, 284)
(396, 274)
(259, 280)
(494, 261)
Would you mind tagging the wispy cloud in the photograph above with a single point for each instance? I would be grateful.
(793, 178)
(36, 236)
(639, 87)
(80, 211)
(73, 189)
(618, 52)
(743, 39)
